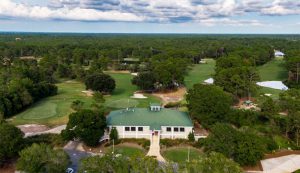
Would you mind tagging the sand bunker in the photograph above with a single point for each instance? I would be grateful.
(88, 92)
(138, 96)
(209, 81)
(273, 84)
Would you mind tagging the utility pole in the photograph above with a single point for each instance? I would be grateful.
(113, 147)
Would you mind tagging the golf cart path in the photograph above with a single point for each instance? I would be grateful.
(37, 129)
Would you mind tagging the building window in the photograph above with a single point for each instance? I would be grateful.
(169, 129)
(175, 129)
(140, 129)
(181, 129)
(133, 129)
(127, 129)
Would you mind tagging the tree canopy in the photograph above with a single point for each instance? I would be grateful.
(86, 125)
(11, 142)
(208, 104)
(100, 82)
(42, 158)
(243, 147)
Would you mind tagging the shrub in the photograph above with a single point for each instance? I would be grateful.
(173, 104)
(173, 142)
(191, 137)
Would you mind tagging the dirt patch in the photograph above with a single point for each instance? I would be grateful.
(118, 71)
(10, 168)
(281, 153)
(88, 93)
(33, 128)
(171, 96)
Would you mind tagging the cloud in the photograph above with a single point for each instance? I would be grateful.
(282, 7)
(160, 11)
(11, 9)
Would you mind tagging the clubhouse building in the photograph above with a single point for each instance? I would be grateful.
(146, 122)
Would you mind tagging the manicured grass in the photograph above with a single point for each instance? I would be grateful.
(275, 93)
(126, 150)
(120, 97)
(180, 155)
(199, 73)
(273, 71)
(55, 110)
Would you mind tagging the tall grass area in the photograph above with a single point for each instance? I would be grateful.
(199, 73)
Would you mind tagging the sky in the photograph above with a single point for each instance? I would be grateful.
(151, 16)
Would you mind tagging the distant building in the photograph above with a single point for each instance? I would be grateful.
(278, 54)
(18, 39)
(146, 122)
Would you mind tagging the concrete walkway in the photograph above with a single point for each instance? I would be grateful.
(155, 149)
(284, 164)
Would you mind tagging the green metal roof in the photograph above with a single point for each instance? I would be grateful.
(145, 117)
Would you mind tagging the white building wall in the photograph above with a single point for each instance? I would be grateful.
(173, 134)
(147, 133)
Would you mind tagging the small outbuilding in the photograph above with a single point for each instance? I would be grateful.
(146, 122)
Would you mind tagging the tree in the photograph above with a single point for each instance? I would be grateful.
(293, 122)
(191, 137)
(77, 105)
(144, 80)
(86, 125)
(11, 142)
(215, 163)
(243, 147)
(208, 104)
(269, 108)
(169, 72)
(109, 163)
(100, 82)
(42, 158)
(290, 100)
(98, 97)
(114, 135)
(236, 75)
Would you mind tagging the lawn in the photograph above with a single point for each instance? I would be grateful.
(54, 110)
(180, 154)
(199, 73)
(273, 71)
(126, 150)
(120, 97)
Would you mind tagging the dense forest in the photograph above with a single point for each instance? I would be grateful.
(31, 63)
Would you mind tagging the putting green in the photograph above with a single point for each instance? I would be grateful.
(42, 110)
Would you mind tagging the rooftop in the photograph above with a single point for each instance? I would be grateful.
(145, 117)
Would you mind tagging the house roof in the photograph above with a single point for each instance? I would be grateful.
(145, 117)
